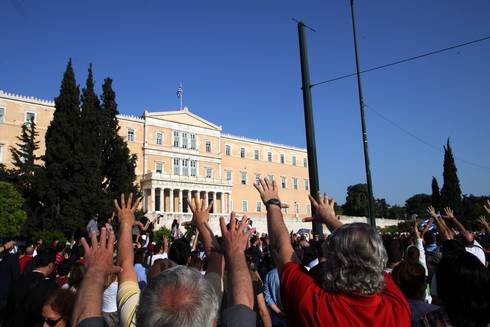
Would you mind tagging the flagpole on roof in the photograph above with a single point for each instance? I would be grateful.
(180, 95)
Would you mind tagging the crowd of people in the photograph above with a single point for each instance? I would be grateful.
(119, 274)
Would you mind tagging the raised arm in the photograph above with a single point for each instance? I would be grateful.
(282, 250)
(200, 218)
(98, 260)
(324, 211)
(485, 225)
(450, 215)
(234, 244)
(446, 233)
(125, 255)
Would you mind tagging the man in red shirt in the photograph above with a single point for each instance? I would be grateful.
(354, 291)
(26, 258)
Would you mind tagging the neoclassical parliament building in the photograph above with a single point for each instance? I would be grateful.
(181, 154)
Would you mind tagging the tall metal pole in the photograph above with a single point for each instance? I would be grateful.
(309, 125)
(372, 219)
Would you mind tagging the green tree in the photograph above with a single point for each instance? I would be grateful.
(417, 204)
(396, 212)
(24, 156)
(436, 195)
(356, 202)
(90, 153)
(450, 191)
(62, 176)
(118, 164)
(471, 210)
(382, 208)
(26, 172)
(12, 215)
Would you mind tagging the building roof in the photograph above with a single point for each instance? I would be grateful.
(179, 116)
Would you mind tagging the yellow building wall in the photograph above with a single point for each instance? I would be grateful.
(264, 168)
(14, 117)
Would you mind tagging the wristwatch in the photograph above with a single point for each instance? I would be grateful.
(276, 202)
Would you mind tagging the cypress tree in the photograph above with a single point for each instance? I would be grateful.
(450, 191)
(436, 195)
(90, 179)
(118, 164)
(62, 207)
(24, 157)
(25, 173)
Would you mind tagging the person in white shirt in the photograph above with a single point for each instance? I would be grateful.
(161, 250)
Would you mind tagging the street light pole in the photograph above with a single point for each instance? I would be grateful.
(372, 219)
(309, 124)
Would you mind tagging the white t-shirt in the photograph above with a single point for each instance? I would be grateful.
(158, 256)
(109, 299)
(477, 251)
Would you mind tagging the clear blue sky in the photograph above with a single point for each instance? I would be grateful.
(239, 62)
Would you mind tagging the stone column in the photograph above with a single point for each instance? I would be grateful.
(222, 202)
(230, 209)
(214, 202)
(206, 198)
(181, 201)
(145, 200)
(152, 199)
(171, 209)
(162, 200)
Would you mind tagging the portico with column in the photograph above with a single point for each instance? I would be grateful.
(169, 196)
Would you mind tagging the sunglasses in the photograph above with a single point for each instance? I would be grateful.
(51, 322)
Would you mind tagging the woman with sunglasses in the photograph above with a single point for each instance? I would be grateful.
(58, 308)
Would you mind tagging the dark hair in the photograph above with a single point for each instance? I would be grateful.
(463, 286)
(60, 247)
(62, 302)
(429, 238)
(139, 256)
(394, 251)
(63, 268)
(412, 254)
(44, 258)
(158, 247)
(179, 251)
(76, 275)
(410, 278)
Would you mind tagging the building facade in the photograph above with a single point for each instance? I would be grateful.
(181, 154)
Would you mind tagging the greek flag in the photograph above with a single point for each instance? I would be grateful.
(179, 91)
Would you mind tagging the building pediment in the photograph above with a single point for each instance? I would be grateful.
(183, 116)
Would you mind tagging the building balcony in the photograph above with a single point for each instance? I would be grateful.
(164, 177)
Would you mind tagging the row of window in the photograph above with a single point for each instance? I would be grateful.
(283, 180)
(259, 205)
(282, 156)
(28, 117)
(186, 140)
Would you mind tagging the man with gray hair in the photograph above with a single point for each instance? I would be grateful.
(354, 290)
(179, 296)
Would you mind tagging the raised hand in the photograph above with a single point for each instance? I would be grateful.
(98, 256)
(125, 212)
(484, 222)
(200, 211)
(431, 211)
(416, 229)
(324, 211)
(486, 206)
(449, 213)
(267, 190)
(235, 238)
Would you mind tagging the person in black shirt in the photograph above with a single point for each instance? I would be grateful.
(30, 291)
